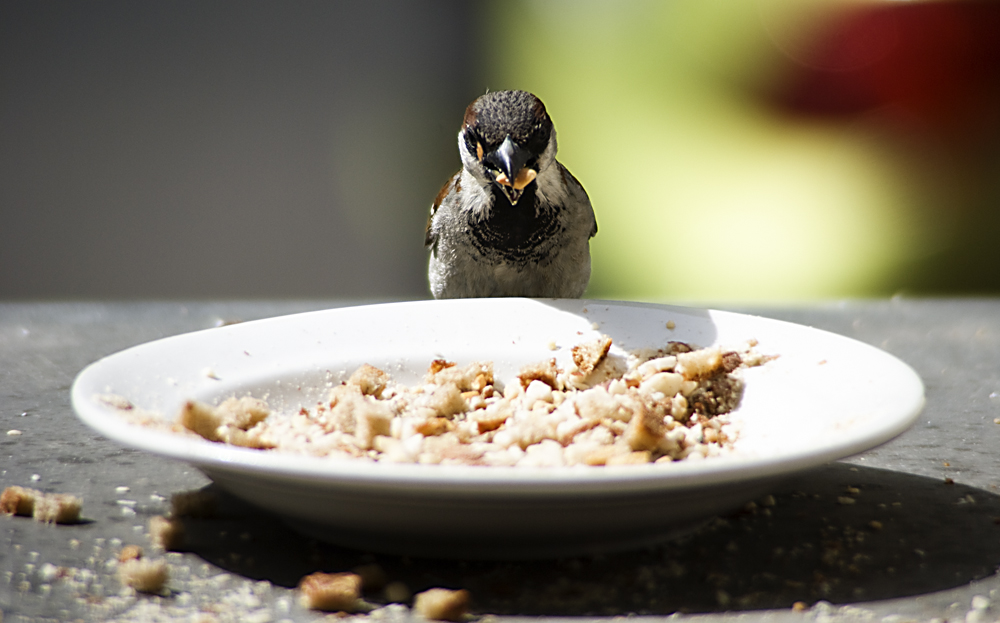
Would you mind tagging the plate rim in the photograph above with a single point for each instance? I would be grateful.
(486, 481)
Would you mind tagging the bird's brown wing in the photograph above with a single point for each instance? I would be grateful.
(429, 236)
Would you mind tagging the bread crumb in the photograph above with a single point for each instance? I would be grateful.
(544, 371)
(166, 533)
(17, 501)
(699, 364)
(144, 575)
(60, 508)
(227, 423)
(590, 355)
(330, 592)
(130, 552)
(441, 604)
(369, 379)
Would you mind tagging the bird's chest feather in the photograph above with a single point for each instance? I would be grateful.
(515, 233)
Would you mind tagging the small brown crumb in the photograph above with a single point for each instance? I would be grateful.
(130, 552)
(166, 533)
(18, 501)
(699, 364)
(441, 604)
(947, 464)
(800, 606)
(875, 524)
(330, 592)
(370, 379)
(439, 364)
(671, 325)
(845, 500)
(61, 508)
(144, 575)
(949, 481)
(544, 371)
(590, 355)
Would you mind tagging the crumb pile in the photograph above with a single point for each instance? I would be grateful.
(603, 409)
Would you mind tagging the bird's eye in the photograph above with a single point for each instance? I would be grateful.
(472, 142)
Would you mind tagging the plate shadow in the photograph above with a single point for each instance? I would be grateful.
(840, 533)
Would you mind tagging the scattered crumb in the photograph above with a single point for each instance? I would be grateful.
(166, 533)
(606, 408)
(441, 604)
(144, 575)
(330, 592)
(14, 432)
(845, 500)
(671, 325)
(130, 552)
(61, 508)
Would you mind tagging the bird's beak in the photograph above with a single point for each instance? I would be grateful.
(510, 158)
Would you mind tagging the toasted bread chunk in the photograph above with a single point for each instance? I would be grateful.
(441, 604)
(330, 592)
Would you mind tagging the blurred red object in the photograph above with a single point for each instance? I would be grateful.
(930, 66)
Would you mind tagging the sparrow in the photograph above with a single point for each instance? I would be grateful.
(513, 221)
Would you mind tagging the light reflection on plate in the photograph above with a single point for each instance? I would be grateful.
(825, 397)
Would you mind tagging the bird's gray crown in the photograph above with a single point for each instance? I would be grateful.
(518, 114)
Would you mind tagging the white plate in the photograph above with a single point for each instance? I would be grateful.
(825, 397)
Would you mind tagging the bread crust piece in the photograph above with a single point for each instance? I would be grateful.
(144, 575)
(60, 508)
(18, 501)
(442, 604)
(330, 592)
(590, 355)
(166, 533)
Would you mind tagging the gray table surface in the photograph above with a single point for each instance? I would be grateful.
(921, 541)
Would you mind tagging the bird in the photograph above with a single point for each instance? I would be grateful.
(513, 221)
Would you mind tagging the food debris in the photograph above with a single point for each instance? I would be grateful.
(330, 592)
(144, 575)
(602, 409)
(441, 604)
(60, 508)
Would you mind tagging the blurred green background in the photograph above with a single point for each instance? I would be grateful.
(772, 149)
(734, 150)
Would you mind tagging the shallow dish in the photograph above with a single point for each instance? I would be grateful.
(825, 397)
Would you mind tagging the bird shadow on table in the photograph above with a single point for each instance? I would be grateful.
(841, 534)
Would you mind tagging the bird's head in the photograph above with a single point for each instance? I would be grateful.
(507, 139)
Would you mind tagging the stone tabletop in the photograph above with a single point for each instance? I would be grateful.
(907, 531)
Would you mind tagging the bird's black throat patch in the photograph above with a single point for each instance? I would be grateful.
(515, 233)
